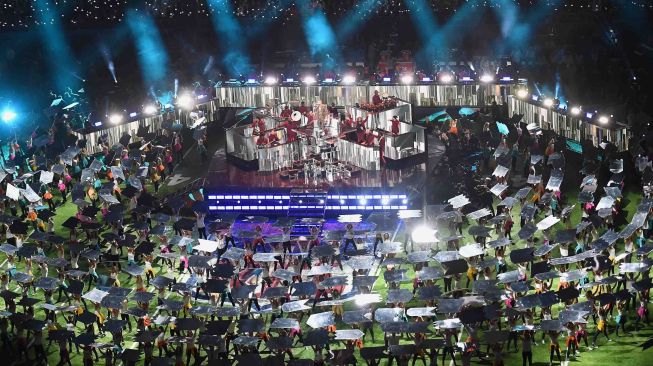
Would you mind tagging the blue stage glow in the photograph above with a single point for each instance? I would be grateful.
(429, 32)
(62, 64)
(517, 28)
(152, 54)
(235, 58)
(8, 115)
(320, 37)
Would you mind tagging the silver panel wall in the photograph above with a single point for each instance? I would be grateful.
(349, 95)
(572, 127)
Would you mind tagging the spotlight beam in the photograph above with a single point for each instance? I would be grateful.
(152, 55)
(54, 41)
(235, 59)
(319, 35)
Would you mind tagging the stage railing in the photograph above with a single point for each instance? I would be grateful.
(573, 127)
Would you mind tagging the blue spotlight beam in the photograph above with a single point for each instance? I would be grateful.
(225, 24)
(517, 33)
(152, 54)
(352, 21)
(54, 41)
(320, 37)
(434, 43)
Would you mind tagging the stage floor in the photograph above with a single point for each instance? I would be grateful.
(224, 174)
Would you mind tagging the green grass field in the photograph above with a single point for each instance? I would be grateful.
(623, 350)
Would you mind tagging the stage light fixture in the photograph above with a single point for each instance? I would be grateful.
(270, 80)
(548, 102)
(308, 80)
(185, 101)
(522, 93)
(407, 79)
(446, 78)
(575, 111)
(349, 79)
(115, 118)
(604, 120)
(133, 114)
(423, 234)
(8, 116)
(486, 78)
(150, 109)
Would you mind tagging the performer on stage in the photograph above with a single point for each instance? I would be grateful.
(360, 129)
(273, 138)
(291, 135)
(368, 139)
(286, 112)
(262, 140)
(303, 109)
(258, 125)
(452, 127)
(395, 125)
(376, 98)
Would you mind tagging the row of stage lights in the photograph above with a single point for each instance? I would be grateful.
(187, 101)
(554, 103)
(184, 102)
(351, 79)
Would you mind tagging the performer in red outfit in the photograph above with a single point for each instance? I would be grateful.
(291, 135)
(287, 112)
(369, 138)
(376, 98)
(272, 137)
(360, 130)
(303, 109)
(395, 125)
(262, 140)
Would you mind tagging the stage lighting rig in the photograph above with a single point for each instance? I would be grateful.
(445, 77)
(407, 79)
(185, 101)
(8, 116)
(604, 120)
(486, 78)
(522, 93)
(575, 111)
(309, 79)
(290, 79)
(271, 80)
(150, 109)
(349, 79)
(115, 118)
(548, 102)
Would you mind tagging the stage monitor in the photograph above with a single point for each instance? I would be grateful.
(405, 140)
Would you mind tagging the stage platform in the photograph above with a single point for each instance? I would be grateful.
(230, 188)
(224, 174)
